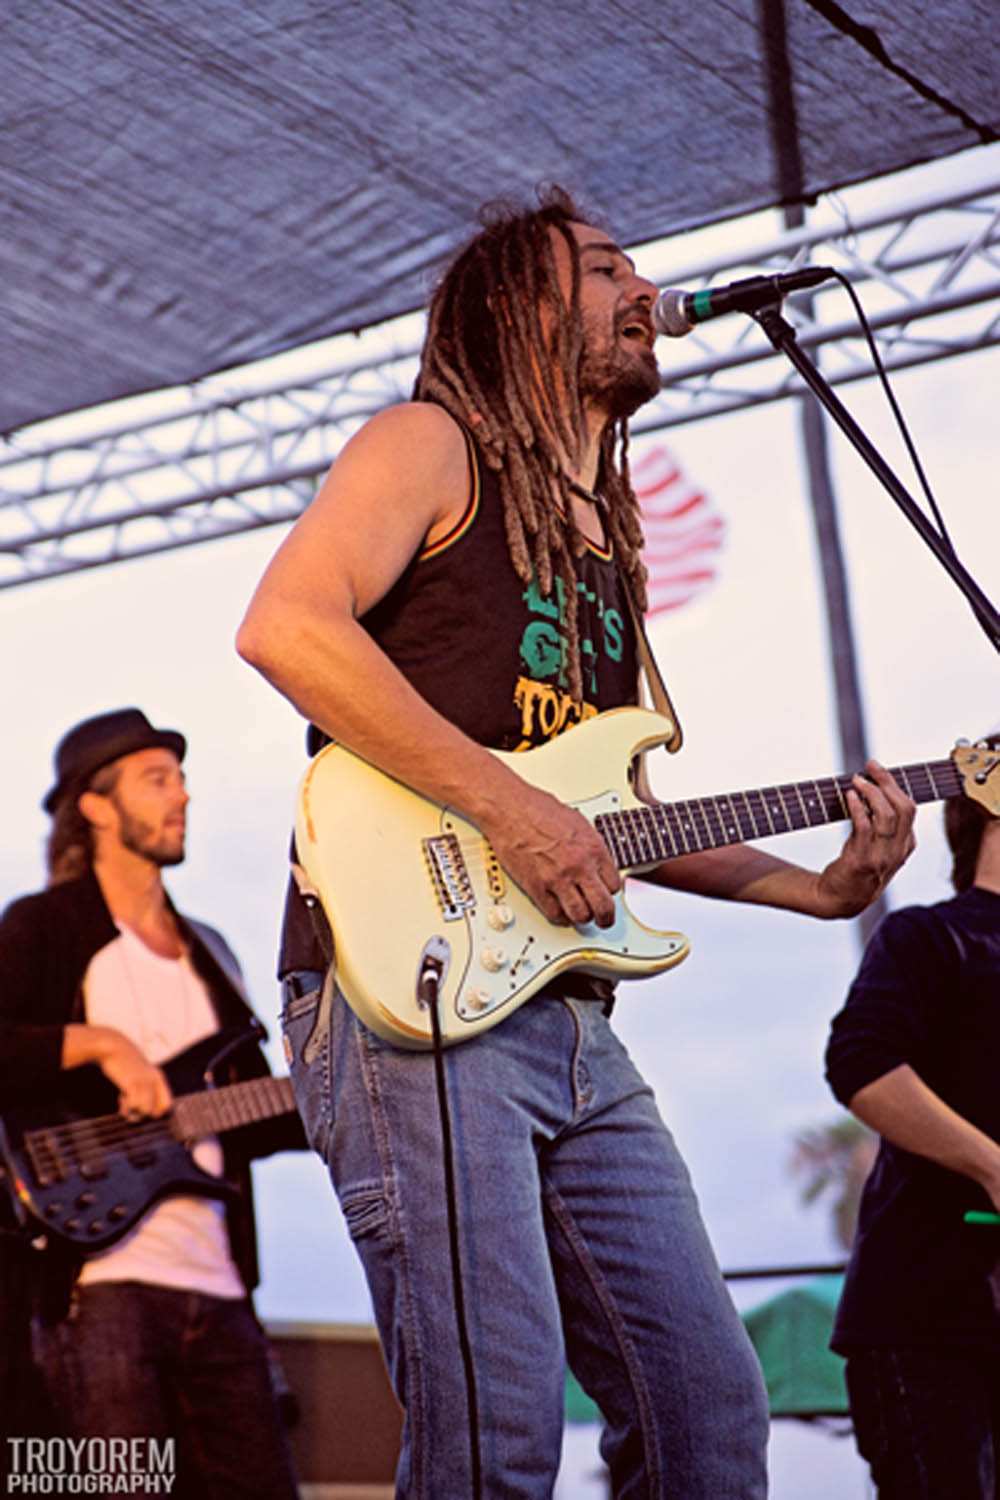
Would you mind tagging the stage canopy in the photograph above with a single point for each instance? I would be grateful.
(190, 186)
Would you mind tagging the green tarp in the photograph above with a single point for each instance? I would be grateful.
(579, 1407)
(791, 1333)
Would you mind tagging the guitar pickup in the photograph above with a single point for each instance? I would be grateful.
(141, 1157)
(495, 876)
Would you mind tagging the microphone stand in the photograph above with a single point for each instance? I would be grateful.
(782, 336)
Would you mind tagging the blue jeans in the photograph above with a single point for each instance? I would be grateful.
(580, 1238)
(138, 1361)
(928, 1421)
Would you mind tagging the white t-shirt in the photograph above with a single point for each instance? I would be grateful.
(163, 1006)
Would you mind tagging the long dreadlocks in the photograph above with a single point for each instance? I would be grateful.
(487, 361)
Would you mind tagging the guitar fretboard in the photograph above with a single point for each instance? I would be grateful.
(232, 1105)
(641, 836)
(84, 1145)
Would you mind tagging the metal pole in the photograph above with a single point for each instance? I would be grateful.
(840, 630)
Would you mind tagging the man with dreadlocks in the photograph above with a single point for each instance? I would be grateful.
(915, 1054)
(462, 581)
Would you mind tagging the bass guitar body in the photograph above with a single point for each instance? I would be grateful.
(89, 1177)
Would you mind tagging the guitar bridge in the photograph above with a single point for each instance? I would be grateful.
(449, 875)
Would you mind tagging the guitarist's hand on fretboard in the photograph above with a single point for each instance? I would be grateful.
(880, 841)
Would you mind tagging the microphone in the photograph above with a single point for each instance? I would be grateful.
(675, 313)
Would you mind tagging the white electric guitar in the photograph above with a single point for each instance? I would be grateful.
(401, 878)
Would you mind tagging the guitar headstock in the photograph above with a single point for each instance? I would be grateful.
(979, 767)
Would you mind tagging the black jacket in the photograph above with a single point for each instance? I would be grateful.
(47, 941)
(927, 995)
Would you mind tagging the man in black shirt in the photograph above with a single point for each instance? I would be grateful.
(153, 1338)
(915, 1053)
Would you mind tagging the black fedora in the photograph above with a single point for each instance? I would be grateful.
(96, 742)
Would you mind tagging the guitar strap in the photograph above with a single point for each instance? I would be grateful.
(313, 904)
(655, 685)
(324, 937)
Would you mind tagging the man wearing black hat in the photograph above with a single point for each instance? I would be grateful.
(154, 1337)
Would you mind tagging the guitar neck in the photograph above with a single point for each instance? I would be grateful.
(220, 1109)
(83, 1144)
(639, 837)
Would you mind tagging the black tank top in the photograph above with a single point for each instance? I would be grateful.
(489, 652)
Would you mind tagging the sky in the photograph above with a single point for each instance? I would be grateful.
(732, 1040)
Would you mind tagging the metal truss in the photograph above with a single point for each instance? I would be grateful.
(245, 449)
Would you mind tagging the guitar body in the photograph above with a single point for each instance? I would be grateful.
(407, 884)
(401, 878)
(89, 1177)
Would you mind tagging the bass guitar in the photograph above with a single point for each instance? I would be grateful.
(89, 1178)
(403, 880)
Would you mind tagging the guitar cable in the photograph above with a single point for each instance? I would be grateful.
(428, 993)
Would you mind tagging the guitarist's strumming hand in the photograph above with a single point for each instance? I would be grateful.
(555, 856)
(881, 840)
(143, 1088)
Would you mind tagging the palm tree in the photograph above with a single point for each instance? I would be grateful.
(835, 1159)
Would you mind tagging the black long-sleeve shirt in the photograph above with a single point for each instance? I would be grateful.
(46, 943)
(927, 995)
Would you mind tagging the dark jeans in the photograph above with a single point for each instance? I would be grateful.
(23, 1406)
(928, 1421)
(137, 1361)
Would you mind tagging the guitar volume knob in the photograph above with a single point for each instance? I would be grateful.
(492, 960)
(500, 916)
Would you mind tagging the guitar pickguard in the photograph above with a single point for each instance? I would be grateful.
(511, 955)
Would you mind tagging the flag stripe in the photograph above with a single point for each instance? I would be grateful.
(684, 531)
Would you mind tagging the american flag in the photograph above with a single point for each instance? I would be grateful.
(684, 530)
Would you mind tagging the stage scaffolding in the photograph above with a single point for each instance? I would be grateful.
(244, 449)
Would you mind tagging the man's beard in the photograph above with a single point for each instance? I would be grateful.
(139, 838)
(620, 380)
